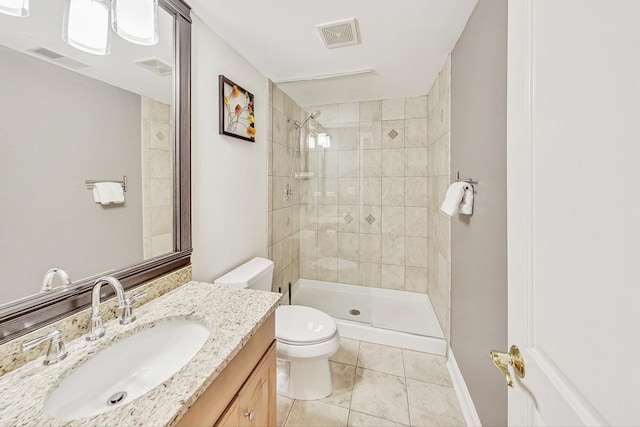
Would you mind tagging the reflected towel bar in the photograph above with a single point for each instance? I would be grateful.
(90, 183)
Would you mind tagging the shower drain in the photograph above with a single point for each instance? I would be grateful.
(354, 312)
(116, 398)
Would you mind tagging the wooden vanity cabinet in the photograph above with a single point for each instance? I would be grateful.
(244, 394)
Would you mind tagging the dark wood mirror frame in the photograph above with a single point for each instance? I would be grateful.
(31, 313)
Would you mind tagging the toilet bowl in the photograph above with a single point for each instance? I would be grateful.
(305, 340)
(305, 337)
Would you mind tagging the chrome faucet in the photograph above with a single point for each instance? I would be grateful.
(48, 278)
(97, 330)
(56, 351)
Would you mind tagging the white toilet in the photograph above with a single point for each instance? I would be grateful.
(305, 337)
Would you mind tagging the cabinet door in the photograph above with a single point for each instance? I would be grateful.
(232, 416)
(257, 398)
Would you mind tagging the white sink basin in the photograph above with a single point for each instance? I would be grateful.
(127, 370)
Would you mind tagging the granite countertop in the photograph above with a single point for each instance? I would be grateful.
(232, 316)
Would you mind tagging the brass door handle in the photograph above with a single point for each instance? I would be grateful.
(513, 358)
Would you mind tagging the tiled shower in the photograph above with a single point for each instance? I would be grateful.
(370, 180)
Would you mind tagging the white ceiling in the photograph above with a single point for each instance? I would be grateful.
(404, 42)
(43, 28)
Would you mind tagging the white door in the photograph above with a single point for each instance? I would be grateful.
(573, 191)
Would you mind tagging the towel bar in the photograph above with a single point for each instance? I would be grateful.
(90, 183)
(469, 180)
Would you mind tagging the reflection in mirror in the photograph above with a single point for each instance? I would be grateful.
(68, 117)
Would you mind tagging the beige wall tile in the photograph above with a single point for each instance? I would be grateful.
(348, 272)
(349, 163)
(349, 136)
(370, 274)
(416, 107)
(161, 244)
(370, 135)
(348, 218)
(393, 277)
(160, 135)
(393, 109)
(331, 164)
(308, 244)
(416, 279)
(415, 162)
(348, 246)
(327, 269)
(370, 111)
(327, 217)
(371, 190)
(416, 191)
(415, 133)
(369, 248)
(348, 191)
(393, 192)
(161, 220)
(392, 134)
(393, 220)
(393, 162)
(416, 252)
(371, 163)
(308, 268)
(327, 244)
(416, 222)
(374, 226)
(393, 249)
(349, 112)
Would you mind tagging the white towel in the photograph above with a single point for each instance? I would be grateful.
(466, 206)
(459, 198)
(107, 193)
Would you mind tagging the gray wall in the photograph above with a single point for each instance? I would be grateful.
(58, 128)
(479, 242)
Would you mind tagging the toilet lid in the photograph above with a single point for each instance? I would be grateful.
(303, 325)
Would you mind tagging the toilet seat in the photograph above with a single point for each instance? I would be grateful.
(303, 326)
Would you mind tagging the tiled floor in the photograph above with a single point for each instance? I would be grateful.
(375, 385)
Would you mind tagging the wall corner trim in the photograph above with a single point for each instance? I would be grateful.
(462, 392)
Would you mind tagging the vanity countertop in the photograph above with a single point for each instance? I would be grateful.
(232, 316)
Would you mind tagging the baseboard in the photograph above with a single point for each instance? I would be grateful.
(468, 408)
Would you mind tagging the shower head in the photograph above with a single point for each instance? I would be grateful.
(313, 115)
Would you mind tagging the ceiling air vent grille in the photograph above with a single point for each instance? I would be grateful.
(56, 58)
(155, 66)
(339, 34)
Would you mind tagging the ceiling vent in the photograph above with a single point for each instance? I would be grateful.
(339, 34)
(155, 66)
(56, 58)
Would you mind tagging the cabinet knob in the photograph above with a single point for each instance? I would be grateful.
(249, 414)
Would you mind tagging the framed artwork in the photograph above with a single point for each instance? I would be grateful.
(236, 111)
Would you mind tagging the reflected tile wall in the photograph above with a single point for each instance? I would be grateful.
(286, 244)
(438, 180)
(157, 178)
(366, 220)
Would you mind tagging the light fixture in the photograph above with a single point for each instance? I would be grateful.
(86, 26)
(15, 7)
(136, 20)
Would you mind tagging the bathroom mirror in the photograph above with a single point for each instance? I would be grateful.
(69, 119)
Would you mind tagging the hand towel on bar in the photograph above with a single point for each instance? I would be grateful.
(466, 206)
(107, 193)
(459, 198)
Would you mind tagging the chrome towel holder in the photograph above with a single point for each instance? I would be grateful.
(91, 182)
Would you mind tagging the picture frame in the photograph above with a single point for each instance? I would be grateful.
(236, 111)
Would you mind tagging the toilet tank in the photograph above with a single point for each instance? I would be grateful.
(255, 274)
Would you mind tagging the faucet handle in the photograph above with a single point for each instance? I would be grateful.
(56, 351)
(127, 311)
